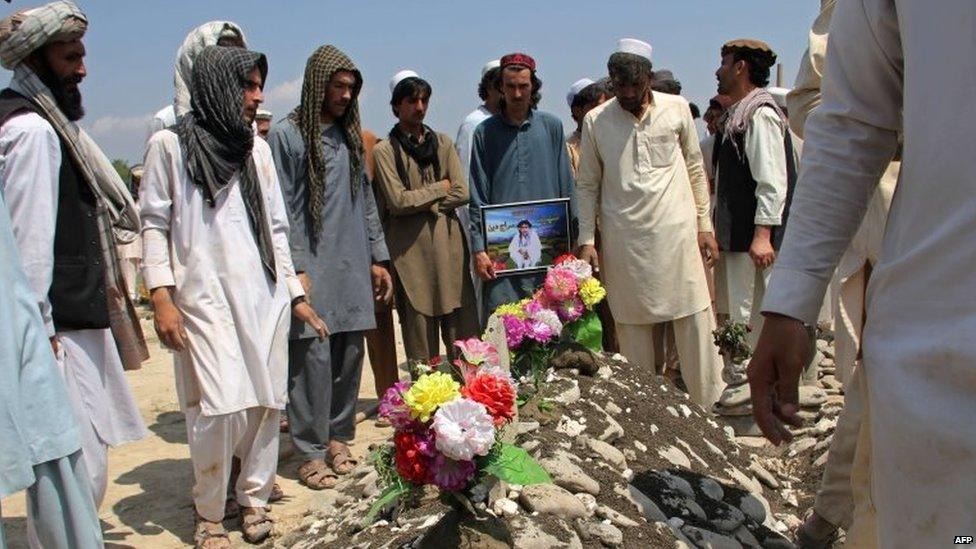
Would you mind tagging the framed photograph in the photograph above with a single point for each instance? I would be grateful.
(525, 237)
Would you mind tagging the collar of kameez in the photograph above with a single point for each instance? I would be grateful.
(522, 124)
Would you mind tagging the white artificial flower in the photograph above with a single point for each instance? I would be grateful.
(463, 429)
(578, 267)
(549, 318)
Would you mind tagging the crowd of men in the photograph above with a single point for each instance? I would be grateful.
(273, 253)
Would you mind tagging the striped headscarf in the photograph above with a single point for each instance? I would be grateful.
(325, 62)
(218, 142)
(27, 30)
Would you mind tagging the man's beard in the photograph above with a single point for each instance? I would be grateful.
(66, 93)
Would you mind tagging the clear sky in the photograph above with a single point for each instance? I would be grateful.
(132, 46)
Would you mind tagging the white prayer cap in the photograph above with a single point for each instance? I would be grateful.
(576, 88)
(779, 94)
(635, 46)
(400, 77)
(490, 65)
(263, 114)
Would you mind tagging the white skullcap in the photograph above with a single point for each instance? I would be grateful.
(576, 88)
(490, 65)
(635, 46)
(263, 114)
(779, 94)
(400, 77)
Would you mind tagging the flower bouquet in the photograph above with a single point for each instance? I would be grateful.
(562, 308)
(446, 429)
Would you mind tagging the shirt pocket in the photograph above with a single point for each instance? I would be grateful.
(661, 149)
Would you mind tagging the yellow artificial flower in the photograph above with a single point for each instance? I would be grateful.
(429, 392)
(591, 292)
(514, 309)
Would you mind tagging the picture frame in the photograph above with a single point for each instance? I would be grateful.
(526, 237)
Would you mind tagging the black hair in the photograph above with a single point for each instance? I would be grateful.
(591, 93)
(695, 111)
(628, 68)
(525, 222)
(487, 81)
(759, 63)
(409, 87)
(536, 86)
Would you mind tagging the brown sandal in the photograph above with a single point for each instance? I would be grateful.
(209, 535)
(342, 462)
(317, 475)
(256, 525)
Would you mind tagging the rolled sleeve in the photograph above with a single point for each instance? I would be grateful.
(765, 149)
(295, 289)
(156, 270)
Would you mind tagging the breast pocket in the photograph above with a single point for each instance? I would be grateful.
(661, 150)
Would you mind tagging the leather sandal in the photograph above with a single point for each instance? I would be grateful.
(256, 525)
(317, 475)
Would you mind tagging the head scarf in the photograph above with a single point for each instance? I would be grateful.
(216, 140)
(205, 35)
(326, 61)
(27, 30)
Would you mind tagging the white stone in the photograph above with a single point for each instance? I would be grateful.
(640, 446)
(671, 410)
(570, 427)
(505, 507)
(675, 456)
(685, 410)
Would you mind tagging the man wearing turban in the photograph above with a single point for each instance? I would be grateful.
(69, 210)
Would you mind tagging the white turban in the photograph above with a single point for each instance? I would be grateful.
(25, 31)
(205, 35)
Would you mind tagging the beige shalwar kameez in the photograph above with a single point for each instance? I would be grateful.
(645, 180)
(428, 248)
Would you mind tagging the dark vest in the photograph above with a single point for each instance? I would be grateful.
(77, 292)
(735, 198)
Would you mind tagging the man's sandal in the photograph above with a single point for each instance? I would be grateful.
(256, 525)
(342, 461)
(232, 509)
(317, 475)
(210, 535)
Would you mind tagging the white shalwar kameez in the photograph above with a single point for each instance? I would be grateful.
(918, 345)
(232, 377)
(646, 181)
(106, 412)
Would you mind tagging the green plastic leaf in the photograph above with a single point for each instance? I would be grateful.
(515, 466)
(587, 331)
(389, 495)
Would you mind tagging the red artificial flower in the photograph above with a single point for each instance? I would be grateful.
(412, 463)
(563, 258)
(495, 392)
(435, 361)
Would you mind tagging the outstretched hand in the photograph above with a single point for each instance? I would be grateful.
(774, 376)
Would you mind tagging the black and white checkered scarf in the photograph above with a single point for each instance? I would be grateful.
(218, 142)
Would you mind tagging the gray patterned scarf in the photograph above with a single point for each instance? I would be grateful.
(323, 63)
(218, 142)
(737, 117)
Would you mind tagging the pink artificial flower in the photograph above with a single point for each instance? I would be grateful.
(571, 310)
(561, 284)
(393, 408)
(535, 305)
(478, 352)
(514, 330)
(538, 330)
(451, 475)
